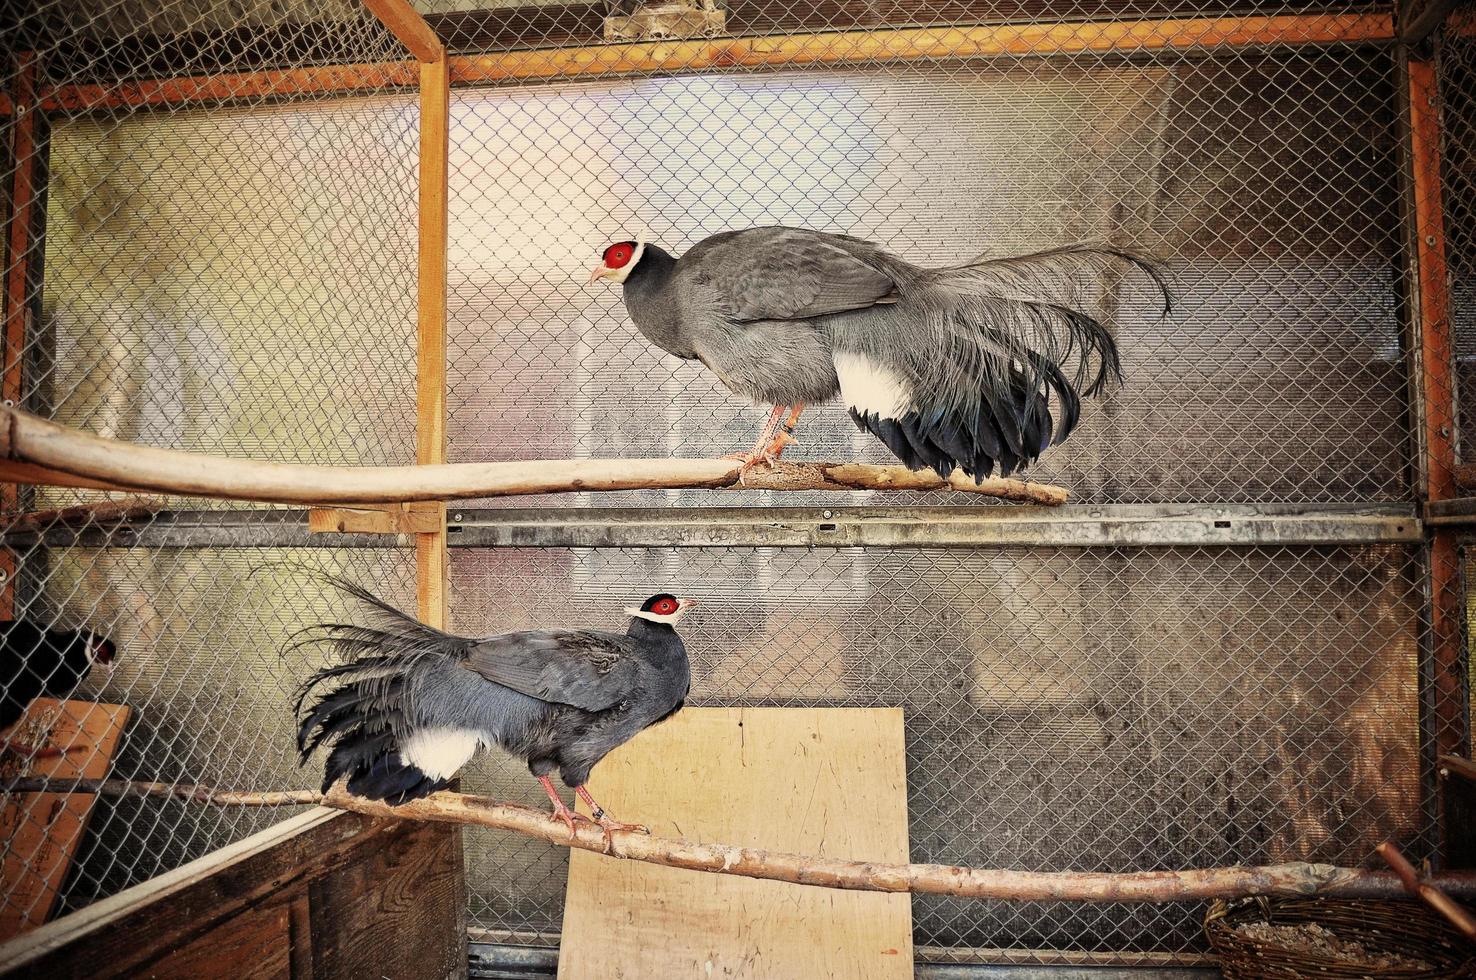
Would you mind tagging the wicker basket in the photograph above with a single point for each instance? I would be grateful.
(1406, 930)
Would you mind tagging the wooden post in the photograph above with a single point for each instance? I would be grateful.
(17, 279)
(430, 392)
(430, 430)
(1428, 332)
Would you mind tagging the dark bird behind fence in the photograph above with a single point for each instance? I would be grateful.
(37, 662)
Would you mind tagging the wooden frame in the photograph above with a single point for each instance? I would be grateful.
(16, 301)
(856, 47)
(406, 24)
(298, 899)
(431, 562)
(1429, 339)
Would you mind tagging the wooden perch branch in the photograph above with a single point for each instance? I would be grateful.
(1427, 892)
(40, 451)
(921, 879)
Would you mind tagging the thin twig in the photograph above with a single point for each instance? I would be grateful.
(923, 879)
(1427, 892)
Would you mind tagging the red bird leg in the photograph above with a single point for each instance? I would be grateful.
(607, 823)
(598, 812)
(559, 810)
(785, 435)
(760, 447)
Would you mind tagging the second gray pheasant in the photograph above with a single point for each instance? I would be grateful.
(409, 705)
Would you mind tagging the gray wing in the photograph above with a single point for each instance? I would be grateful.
(789, 274)
(588, 670)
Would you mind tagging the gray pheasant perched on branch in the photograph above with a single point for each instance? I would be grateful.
(410, 705)
(980, 366)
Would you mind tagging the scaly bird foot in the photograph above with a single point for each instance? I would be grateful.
(563, 813)
(609, 825)
(750, 460)
(775, 449)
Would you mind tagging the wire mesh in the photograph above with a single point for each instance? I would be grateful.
(1458, 126)
(211, 245)
(1132, 709)
(224, 272)
(1264, 180)
(200, 635)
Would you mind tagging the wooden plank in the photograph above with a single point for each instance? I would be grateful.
(18, 231)
(827, 781)
(406, 24)
(16, 302)
(397, 913)
(117, 934)
(1433, 287)
(803, 48)
(431, 563)
(255, 944)
(45, 829)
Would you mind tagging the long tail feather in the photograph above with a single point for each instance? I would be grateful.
(1002, 354)
(362, 708)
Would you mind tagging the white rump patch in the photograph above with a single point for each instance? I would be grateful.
(441, 752)
(869, 387)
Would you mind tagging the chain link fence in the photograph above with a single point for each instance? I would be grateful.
(1132, 709)
(231, 277)
(216, 210)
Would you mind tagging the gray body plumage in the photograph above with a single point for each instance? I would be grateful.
(977, 366)
(410, 704)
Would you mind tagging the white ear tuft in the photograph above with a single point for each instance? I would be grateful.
(670, 619)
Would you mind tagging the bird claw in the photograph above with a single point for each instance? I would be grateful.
(609, 826)
(563, 813)
(751, 460)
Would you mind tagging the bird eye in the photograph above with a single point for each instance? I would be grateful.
(617, 255)
(666, 607)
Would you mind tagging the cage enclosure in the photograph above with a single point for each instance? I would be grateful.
(357, 234)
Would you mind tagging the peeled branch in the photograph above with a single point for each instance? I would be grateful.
(36, 450)
(1294, 879)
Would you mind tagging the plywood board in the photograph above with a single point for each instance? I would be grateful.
(255, 945)
(826, 781)
(45, 829)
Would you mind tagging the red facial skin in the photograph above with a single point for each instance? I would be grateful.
(617, 255)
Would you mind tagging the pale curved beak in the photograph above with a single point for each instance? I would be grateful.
(687, 603)
(599, 272)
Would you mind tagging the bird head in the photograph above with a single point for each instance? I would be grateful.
(101, 652)
(618, 261)
(662, 608)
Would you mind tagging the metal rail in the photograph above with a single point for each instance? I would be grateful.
(1074, 526)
